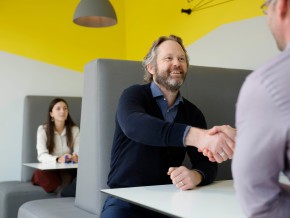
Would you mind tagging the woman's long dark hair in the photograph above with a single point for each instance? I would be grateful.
(49, 127)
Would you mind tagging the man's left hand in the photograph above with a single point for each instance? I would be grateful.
(183, 178)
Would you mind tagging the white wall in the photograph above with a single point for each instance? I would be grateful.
(19, 77)
(246, 44)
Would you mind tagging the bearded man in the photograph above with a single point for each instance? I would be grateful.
(156, 127)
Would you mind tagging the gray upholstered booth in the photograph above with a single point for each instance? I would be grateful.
(213, 90)
(14, 193)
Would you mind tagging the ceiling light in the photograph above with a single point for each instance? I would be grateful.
(95, 13)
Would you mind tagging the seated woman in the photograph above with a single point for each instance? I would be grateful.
(57, 141)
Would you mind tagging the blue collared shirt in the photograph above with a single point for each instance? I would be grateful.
(169, 114)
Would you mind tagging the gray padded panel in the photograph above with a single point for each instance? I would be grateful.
(103, 83)
(54, 208)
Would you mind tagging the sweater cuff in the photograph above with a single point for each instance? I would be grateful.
(185, 134)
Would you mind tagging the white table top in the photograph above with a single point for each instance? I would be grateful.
(52, 166)
(213, 201)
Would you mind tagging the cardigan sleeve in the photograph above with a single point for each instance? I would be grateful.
(135, 116)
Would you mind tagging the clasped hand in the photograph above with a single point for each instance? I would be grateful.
(219, 143)
(183, 178)
(68, 158)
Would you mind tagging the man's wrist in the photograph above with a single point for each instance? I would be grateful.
(199, 176)
(193, 136)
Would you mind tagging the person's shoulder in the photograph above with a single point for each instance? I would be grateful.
(189, 103)
(136, 88)
(41, 130)
(190, 106)
(273, 69)
(41, 127)
(75, 128)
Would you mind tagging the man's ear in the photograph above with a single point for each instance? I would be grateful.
(150, 68)
(282, 8)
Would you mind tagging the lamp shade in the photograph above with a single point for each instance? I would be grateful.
(95, 13)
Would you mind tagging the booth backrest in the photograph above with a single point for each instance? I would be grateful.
(35, 112)
(213, 90)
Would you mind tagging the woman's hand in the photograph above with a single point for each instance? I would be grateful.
(75, 158)
(64, 158)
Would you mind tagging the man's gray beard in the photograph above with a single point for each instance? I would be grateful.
(167, 85)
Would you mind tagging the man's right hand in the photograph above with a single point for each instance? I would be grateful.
(226, 129)
(218, 144)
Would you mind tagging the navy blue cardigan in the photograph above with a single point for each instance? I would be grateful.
(145, 145)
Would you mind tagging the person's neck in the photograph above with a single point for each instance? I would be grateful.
(169, 95)
(59, 127)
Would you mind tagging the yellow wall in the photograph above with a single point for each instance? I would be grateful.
(43, 30)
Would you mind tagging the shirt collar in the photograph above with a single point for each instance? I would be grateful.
(63, 132)
(156, 92)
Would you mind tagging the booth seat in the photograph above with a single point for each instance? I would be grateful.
(213, 90)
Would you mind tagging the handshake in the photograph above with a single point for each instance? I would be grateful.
(217, 143)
